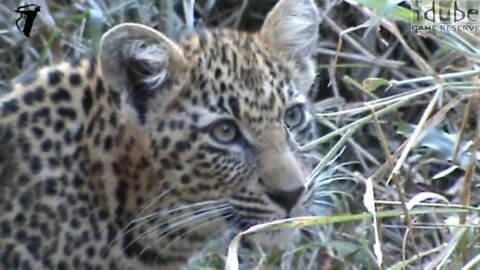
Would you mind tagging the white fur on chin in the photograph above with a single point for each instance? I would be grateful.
(275, 240)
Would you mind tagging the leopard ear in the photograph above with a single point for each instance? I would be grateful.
(140, 63)
(291, 29)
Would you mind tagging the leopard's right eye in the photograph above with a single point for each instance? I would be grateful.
(294, 116)
(225, 131)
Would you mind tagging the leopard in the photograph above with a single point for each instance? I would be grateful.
(136, 158)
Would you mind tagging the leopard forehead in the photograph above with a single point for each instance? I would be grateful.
(235, 73)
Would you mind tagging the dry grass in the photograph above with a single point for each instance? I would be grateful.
(404, 104)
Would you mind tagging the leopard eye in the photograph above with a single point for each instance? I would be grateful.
(224, 131)
(294, 116)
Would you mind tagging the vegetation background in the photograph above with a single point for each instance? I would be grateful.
(400, 111)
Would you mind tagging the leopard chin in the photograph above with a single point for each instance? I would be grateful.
(275, 240)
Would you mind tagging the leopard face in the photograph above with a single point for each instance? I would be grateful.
(228, 125)
(242, 124)
(162, 144)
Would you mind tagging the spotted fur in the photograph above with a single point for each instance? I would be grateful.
(117, 164)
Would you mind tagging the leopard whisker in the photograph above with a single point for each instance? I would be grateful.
(333, 178)
(156, 215)
(192, 216)
(322, 202)
(153, 201)
(195, 218)
(327, 193)
(195, 228)
(312, 155)
(133, 219)
(177, 225)
(317, 210)
(322, 182)
(179, 217)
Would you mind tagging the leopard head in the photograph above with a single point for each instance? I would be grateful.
(222, 113)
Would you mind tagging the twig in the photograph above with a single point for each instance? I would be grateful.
(311, 145)
(396, 181)
(469, 174)
(240, 13)
(454, 75)
(357, 57)
(461, 133)
(188, 10)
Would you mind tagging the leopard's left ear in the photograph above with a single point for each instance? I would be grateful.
(291, 29)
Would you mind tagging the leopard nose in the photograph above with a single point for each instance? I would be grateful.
(286, 198)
